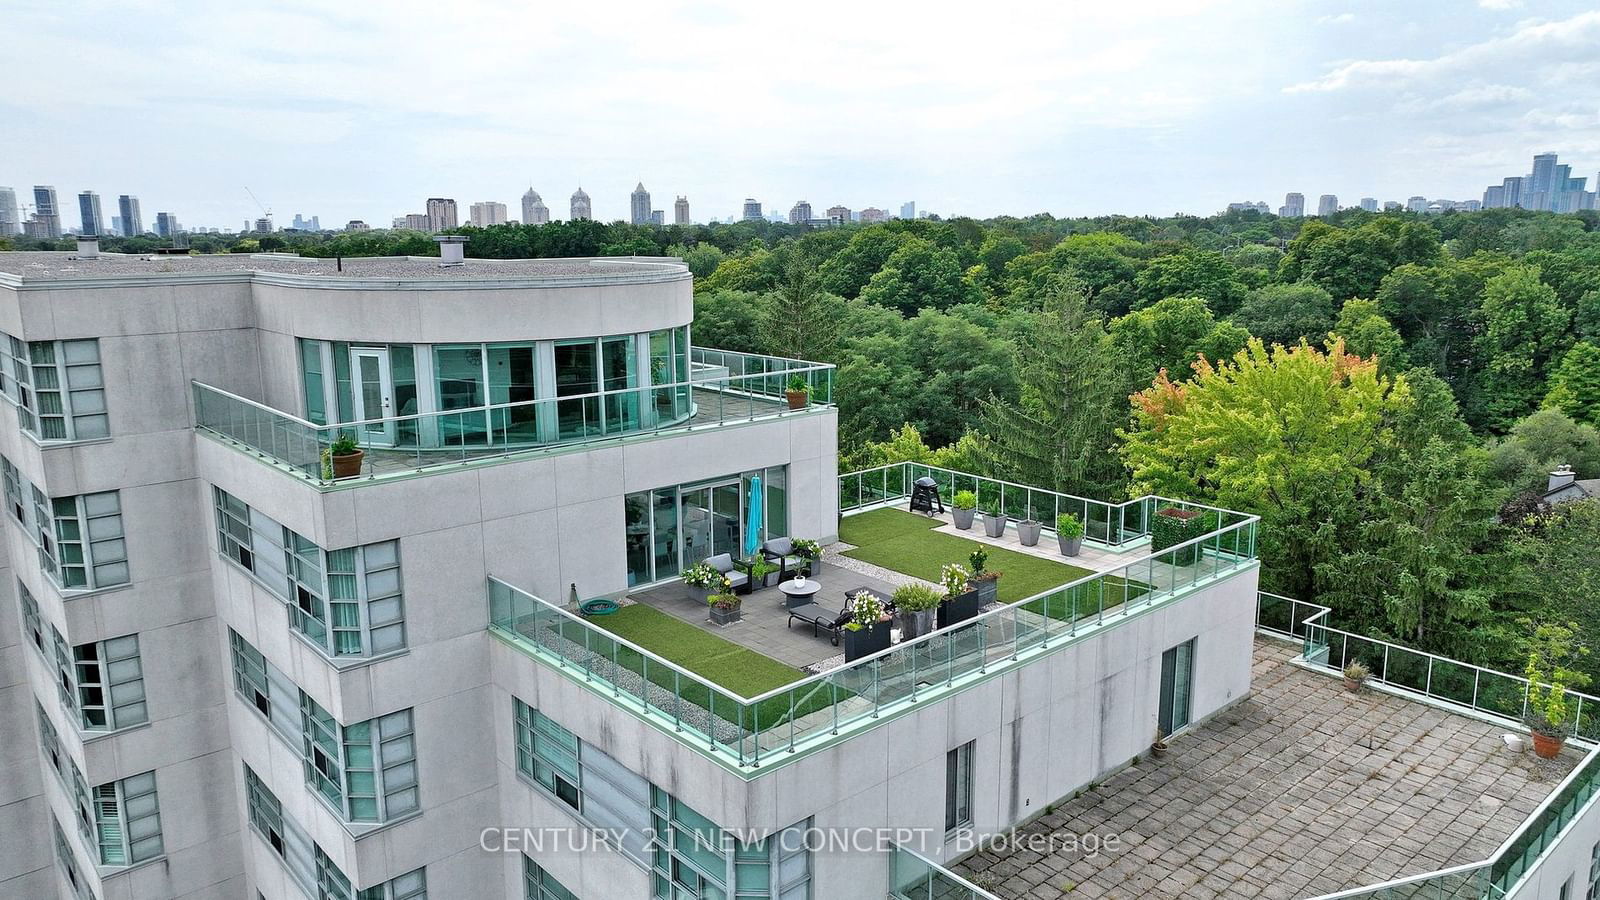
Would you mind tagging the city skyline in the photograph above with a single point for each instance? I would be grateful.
(1395, 85)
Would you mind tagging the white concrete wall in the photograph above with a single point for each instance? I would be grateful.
(27, 857)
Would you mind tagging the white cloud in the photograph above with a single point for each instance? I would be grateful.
(1500, 4)
(1340, 19)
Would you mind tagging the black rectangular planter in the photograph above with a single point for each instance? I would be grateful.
(865, 641)
(959, 609)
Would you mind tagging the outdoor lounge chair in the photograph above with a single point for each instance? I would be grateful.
(781, 551)
(723, 562)
(821, 619)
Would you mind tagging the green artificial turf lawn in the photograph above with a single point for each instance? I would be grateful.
(906, 542)
(744, 672)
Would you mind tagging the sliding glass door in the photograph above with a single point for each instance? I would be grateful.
(671, 528)
(373, 395)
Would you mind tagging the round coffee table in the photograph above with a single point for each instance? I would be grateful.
(798, 591)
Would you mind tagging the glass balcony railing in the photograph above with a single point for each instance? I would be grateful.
(912, 877)
(1115, 526)
(723, 388)
(746, 732)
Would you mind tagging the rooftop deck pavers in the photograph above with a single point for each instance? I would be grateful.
(1301, 789)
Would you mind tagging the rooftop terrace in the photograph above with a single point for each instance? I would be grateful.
(1300, 790)
(47, 266)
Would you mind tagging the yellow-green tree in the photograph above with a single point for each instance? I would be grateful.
(1287, 433)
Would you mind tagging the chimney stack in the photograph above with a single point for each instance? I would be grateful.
(452, 249)
(88, 246)
(1561, 477)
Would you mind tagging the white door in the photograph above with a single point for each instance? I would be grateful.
(373, 395)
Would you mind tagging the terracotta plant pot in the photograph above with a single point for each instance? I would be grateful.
(1353, 685)
(348, 465)
(1547, 747)
(797, 399)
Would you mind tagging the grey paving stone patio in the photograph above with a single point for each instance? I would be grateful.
(1302, 789)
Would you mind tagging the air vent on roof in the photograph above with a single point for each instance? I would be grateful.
(452, 249)
(88, 246)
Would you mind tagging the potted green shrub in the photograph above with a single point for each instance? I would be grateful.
(962, 507)
(1028, 531)
(960, 601)
(1549, 715)
(724, 608)
(1356, 675)
(807, 548)
(342, 457)
(704, 580)
(798, 392)
(1173, 525)
(764, 573)
(867, 632)
(985, 582)
(915, 606)
(1069, 534)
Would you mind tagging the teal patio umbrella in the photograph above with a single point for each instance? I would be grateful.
(752, 525)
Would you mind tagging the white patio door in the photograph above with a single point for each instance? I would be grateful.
(373, 395)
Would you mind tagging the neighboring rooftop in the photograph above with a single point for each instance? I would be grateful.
(1302, 789)
(67, 265)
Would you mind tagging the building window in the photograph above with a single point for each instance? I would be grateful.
(110, 682)
(410, 886)
(1177, 680)
(79, 538)
(958, 788)
(50, 743)
(1594, 873)
(347, 602)
(128, 820)
(603, 792)
(32, 623)
(381, 764)
(69, 866)
(21, 386)
(69, 391)
(63, 656)
(81, 803)
(540, 885)
(311, 868)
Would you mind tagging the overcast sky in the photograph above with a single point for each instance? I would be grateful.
(1072, 107)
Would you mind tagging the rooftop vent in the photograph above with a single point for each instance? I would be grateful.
(452, 249)
(88, 246)
(1561, 477)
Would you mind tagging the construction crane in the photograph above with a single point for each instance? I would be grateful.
(267, 213)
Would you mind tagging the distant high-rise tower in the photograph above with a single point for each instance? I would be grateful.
(680, 211)
(488, 213)
(658, 217)
(752, 210)
(534, 212)
(800, 213)
(1327, 204)
(1370, 204)
(10, 219)
(89, 213)
(1417, 204)
(132, 221)
(842, 213)
(264, 225)
(640, 206)
(46, 212)
(580, 205)
(441, 213)
(872, 214)
(908, 209)
(166, 225)
(1294, 205)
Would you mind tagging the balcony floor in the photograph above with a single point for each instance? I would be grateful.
(1302, 789)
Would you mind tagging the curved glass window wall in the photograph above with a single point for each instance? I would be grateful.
(435, 395)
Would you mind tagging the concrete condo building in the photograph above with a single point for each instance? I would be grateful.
(534, 212)
(132, 219)
(680, 211)
(89, 213)
(639, 206)
(752, 210)
(580, 205)
(1327, 205)
(388, 579)
(488, 213)
(46, 212)
(800, 213)
(1294, 205)
(441, 212)
(10, 220)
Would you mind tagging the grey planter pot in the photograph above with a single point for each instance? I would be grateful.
(916, 624)
(724, 616)
(988, 590)
(1028, 532)
(700, 595)
(995, 525)
(1070, 546)
(962, 517)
